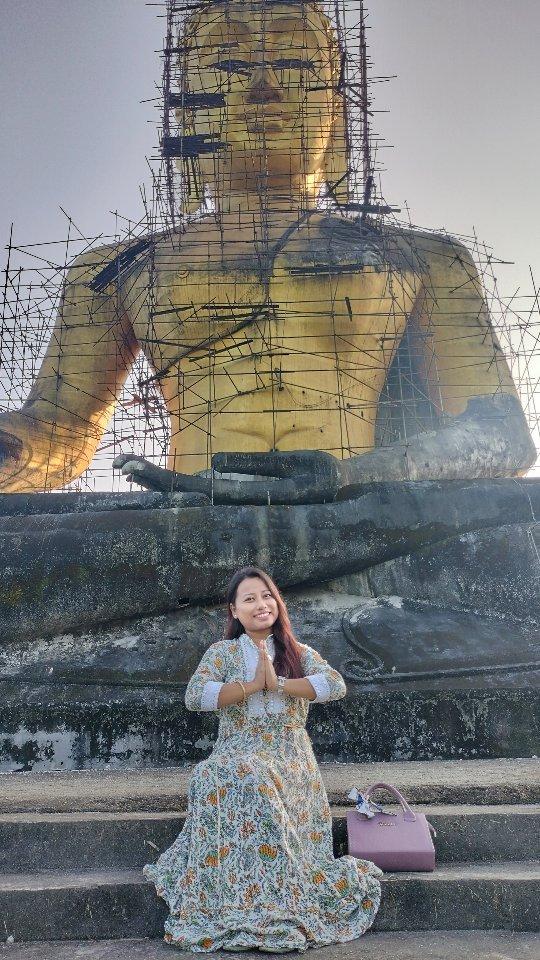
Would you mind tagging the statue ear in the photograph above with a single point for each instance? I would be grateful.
(335, 165)
(191, 180)
(191, 187)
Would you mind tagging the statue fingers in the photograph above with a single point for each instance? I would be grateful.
(295, 477)
(138, 470)
(123, 458)
(321, 466)
(148, 475)
(261, 464)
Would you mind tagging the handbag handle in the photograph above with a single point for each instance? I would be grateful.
(408, 814)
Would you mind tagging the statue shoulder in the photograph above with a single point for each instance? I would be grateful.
(439, 252)
(86, 266)
(114, 263)
(97, 265)
(351, 243)
(184, 246)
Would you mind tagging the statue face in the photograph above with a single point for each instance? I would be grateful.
(274, 66)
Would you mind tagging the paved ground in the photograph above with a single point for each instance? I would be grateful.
(440, 945)
(164, 788)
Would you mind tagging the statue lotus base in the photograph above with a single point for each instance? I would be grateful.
(423, 682)
(425, 597)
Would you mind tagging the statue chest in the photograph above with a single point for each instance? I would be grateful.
(198, 310)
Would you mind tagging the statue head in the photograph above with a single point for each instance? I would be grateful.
(265, 76)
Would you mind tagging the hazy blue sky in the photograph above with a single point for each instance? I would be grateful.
(463, 115)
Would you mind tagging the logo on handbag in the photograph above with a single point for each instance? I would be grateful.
(386, 823)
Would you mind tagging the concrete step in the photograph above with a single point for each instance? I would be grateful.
(469, 833)
(77, 841)
(505, 781)
(60, 905)
(439, 945)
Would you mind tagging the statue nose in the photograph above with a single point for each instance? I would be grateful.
(264, 87)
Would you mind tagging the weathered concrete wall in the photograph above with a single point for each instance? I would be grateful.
(70, 571)
(115, 697)
(155, 728)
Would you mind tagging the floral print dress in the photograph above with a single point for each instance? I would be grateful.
(253, 866)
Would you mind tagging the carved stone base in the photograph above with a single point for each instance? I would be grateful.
(433, 620)
(115, 697)
(396, 725)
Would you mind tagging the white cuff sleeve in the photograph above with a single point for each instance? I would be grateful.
(210, 694)
(321, 686)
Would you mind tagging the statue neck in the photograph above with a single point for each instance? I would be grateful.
(264, 195)
(261, 205)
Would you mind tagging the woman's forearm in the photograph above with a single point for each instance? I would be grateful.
(299, 687)
(232, 692)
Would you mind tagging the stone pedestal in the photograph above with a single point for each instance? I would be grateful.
(436, 631)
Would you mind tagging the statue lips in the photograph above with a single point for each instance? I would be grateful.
(265, 121)
(265, 128)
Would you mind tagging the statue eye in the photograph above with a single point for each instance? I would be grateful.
(294, 64)
(232, 66)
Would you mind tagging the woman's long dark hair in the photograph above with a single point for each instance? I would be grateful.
(287, 649)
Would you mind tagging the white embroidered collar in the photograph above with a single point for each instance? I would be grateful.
(248, 639)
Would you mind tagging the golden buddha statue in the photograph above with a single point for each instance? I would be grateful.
(271, 323)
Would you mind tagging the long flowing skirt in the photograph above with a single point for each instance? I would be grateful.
(253, 866)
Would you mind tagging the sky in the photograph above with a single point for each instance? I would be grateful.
(461, 117)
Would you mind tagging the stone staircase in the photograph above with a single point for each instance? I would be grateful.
(72, 845)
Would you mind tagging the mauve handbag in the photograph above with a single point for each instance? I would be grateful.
(392, 842)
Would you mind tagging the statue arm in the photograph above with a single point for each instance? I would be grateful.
(52, 439)
(483, 431)
(462, 352)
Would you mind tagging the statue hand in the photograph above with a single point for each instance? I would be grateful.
(303, 476)
(147, 475)
(11, 456)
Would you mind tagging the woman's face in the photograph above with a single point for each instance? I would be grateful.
(255, 607)
(273, 68)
